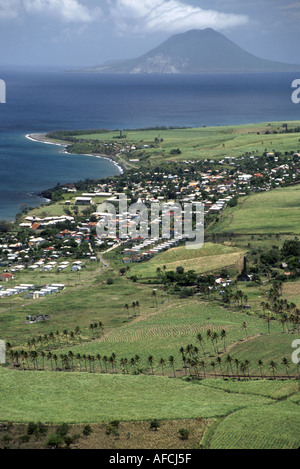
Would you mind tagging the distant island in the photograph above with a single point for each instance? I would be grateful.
(195, 52)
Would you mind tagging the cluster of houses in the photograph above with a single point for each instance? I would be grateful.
(147, 249)
(37, 223)
(30, 290)
(209, 182)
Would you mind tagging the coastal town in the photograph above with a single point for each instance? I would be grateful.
(69, 242)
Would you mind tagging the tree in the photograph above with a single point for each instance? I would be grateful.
(286, 363)
(172, 362)
(162, 364)
(214, 338)
(273, 365)
(229, 362)
(150, 361)
(219, 361)
(200, 340)
(212, 364)
(268, 319)
(244, 326)
(223, 336)
(260, 364)
(243, 368)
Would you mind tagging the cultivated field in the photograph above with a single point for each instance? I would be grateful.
(121, 347)
(272, 212)
(209, 258)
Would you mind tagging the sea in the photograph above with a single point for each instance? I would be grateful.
(38, 101)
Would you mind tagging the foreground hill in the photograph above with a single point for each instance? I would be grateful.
(195, 51)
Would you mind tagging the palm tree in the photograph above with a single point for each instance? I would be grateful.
(137, 359)
(208, 333)
(189, 349)
(150, 361)
(244, 326)
(202, 364)
(122, 363)
(162, 364)
(71, 356)
(65, 332)
(72, 336)
(243, 368)
(77, 332)
(105, 359)
(84, 358)
(286, 363)
(213, 367)
(98, 356)
(223, 336)
(78, 357)
(214, 338)
(100, 325)
(229, 361)
(273, 365)
(247, 363)
(236, 362)
(133, 364)
(57, 334)
(172, 363)
(260, 364)
(55, 358)
(200, 340)
(283, 320)
(112, 361)
(219, 361)
(268, 319)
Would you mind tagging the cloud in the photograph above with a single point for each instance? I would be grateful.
(168, 16)
(9, 9)
(69, 11)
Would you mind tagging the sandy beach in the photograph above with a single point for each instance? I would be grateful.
(42, 138)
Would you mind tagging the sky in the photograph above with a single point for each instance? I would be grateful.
(68, 33)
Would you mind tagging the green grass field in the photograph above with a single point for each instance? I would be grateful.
(206, 259)
(83, 397)
(204, 142)
(258, 428)
(276, 211)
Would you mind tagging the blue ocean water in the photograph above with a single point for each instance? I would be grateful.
(44, 100)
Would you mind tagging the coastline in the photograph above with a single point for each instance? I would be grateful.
(41, 138)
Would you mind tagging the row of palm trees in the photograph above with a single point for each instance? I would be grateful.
(62, 339)
(191, 364)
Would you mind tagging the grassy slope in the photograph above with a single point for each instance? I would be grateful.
(210, 257)
(82, 397)
(276, 211)
(257, 428)
(204, 142)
